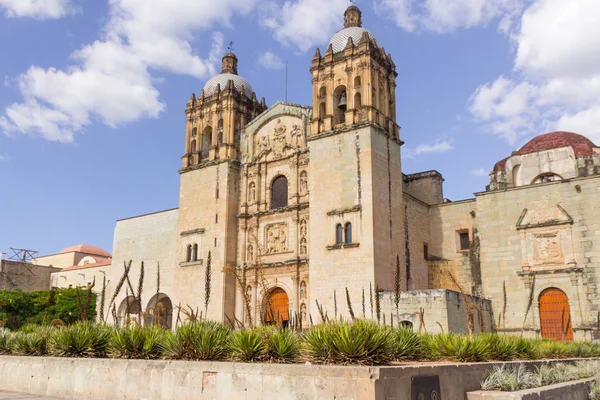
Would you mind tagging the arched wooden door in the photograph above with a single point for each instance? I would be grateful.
(555, 315)
(277, 307)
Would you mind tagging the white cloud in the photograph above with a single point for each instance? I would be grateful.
(270, 60)
(4, 157)
(110, 80)
(38, 9)
(438, 147)
(446, 16)
(556, 79)
(304, 23)
(479, 172)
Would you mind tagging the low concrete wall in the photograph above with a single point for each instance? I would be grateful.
(575, 390)
(115, 379)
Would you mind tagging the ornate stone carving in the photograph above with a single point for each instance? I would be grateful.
(303, 247)
(264, 144)
(303, 182)
(297, 137)
(547, 248)
(250, 253)
(279, 138)
(277, 238)
(252, 192)
(303, 290)
(303, 228)
(303, 311)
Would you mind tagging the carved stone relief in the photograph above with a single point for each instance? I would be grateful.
(303, 290)
(303, 228)
(250, 253)
(303, 182)
(252, 192)
(303, 311)
(277, 238)
(547, 248)
(303, 247)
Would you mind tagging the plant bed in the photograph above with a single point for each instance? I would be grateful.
(573, 390)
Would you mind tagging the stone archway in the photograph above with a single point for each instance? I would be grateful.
(160, 311)
(277, 307)
(555, 315)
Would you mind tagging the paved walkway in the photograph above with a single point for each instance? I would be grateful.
(4, 395)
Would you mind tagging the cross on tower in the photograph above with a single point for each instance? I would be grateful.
(230, 47)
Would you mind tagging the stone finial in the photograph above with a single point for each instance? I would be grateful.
(352, 17)
(317, 54)
(229, 64)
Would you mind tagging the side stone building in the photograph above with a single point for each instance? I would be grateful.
(292, 209)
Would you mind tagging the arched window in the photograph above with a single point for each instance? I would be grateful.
(339, 233)
(194, 131)
(323, 91)
(322, 110)
(357, 101)
(406, 325)
(547, 177)
(193, 146)
(348, 233)
(357, 82)
(279, 192)
(220, 138)
(340, 102)
(195, 253)
(206, 138)
(188, 257)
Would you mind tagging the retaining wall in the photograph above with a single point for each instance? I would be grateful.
(116, 379)
(575, 390)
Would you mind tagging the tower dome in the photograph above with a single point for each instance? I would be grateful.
(228, 73)
(352, 29)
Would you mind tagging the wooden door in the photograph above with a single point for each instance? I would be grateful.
(277, 308)
(555, 315)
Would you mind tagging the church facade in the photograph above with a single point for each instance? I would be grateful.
(299, 210)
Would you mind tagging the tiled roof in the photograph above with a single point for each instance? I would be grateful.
(581, 145)
(86, 249)
(96, 265)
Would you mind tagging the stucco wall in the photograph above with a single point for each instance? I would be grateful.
(80, 277)
(24, 276)
(149, 238)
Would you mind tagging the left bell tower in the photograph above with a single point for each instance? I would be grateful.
(209, 190)
(216, 117)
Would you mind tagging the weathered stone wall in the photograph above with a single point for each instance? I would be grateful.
(547, 231)
(149, 238)
(80, 277)
(425, 186)
(442, 311)
(414, 269)
(575, 390)
(24, 276)
(107, 379)
(446, 221)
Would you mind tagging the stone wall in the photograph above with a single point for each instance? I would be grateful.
(425, 186)
(80, 277)
(149, 238)
(442, 311)
(417, 232)
(108, 379)
(547, 231)
(25, 276)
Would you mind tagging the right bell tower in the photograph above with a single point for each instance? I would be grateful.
(354, 81)
(355, 186)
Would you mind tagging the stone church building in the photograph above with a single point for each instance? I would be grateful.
(300, 207)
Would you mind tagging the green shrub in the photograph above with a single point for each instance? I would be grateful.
(34, 343)
(510, 379)
(406, 344)
(551, 349)
(6, 339)
(82, 339)
(360, 342)
(247, 345)
(318, 344)
(198, 341)
(137, 342)
(456, 347)
(283, 346)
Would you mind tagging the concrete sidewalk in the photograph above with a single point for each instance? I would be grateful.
(4, 395)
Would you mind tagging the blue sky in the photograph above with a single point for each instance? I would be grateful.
(93, 92)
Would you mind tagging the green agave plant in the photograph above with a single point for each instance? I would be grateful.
(34, 343)
(137, 342)
(201, 340)
(284, 346)
(406, 344)
(247, 345)
(6, 340)
(318, 344)
(361, 342)
(82, 339)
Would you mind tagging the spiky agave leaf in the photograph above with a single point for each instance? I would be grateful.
(247, 345)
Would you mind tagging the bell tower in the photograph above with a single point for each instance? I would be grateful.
(356, 177)
(354, 81)
(209, 189)
(216, 117)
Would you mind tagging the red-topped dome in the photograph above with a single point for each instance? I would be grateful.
(582, 146)
(86, 249)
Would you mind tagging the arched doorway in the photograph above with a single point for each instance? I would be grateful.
(129, 312)
(277, 308)
(555, 315)
(160, 311)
